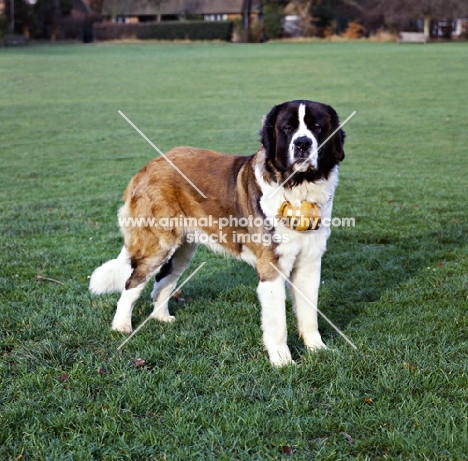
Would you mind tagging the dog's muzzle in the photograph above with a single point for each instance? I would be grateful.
(302, 147)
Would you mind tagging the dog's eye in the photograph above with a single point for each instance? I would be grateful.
(317, 128)
(287, 128)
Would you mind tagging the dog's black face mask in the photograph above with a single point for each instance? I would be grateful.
(297, 137)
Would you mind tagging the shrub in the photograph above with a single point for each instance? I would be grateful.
(71, 28)
(187, 30)
(176, 30)
(256, 33)
(115, 31)
(323, 17)
(354, 30)
(272, 16)
(238, 34)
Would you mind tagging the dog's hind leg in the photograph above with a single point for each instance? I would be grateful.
(166, 281)
(143, 269)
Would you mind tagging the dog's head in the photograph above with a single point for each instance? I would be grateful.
(294, 135)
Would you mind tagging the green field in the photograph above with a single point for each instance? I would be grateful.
(396, 283)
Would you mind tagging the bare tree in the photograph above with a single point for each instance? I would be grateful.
(423, 9)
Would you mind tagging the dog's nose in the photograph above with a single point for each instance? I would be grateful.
(303, 144)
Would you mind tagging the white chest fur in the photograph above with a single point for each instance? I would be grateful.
(320, 193)
(310, 244)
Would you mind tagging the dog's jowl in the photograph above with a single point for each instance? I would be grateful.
(270, 209)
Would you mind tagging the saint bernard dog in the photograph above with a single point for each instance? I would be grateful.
(274, 205)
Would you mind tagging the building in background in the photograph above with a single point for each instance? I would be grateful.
(164, 10)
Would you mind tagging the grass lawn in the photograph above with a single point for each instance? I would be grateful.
(396, 283)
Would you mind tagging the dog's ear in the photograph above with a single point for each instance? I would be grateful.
(336, 143)
(268, 132)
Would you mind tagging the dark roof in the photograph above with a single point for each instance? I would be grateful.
(173, 7)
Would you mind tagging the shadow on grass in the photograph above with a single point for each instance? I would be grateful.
(361, 266)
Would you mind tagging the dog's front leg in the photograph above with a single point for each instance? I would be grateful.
(272, 299)
(305, 279)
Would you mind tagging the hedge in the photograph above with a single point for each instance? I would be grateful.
(115, 31)
(173, 30)
(187, 30)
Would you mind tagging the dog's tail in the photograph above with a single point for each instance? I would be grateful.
(112, 275)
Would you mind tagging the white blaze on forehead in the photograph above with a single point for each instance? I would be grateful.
(302, 125)
(303, 130)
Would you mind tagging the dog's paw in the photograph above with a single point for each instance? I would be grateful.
(280, 356)
(164, 318)
(161, 313)
(122, 326)
(314, 342)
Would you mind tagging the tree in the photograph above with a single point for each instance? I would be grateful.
(41, 20)
(395, 10)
